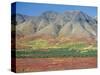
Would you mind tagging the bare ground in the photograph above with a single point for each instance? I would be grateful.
(49, 64)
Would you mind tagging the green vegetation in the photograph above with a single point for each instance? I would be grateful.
(60, 52)
(43, 44)
(42, 49)
(38, 44)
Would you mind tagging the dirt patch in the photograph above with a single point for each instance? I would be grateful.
(45, 64)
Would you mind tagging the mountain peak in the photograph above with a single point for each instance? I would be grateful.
(49, 13)
(69, 23)
(73, 11)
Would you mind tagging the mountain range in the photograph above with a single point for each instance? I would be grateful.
(67, 24)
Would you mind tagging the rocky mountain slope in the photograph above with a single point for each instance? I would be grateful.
(66, 24)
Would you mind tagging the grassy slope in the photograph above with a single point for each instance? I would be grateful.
(42, 49)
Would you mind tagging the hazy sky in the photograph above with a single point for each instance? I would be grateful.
(34, 9)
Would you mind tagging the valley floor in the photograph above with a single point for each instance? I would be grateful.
(49, 64)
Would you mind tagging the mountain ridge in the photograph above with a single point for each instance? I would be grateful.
(68, 23)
